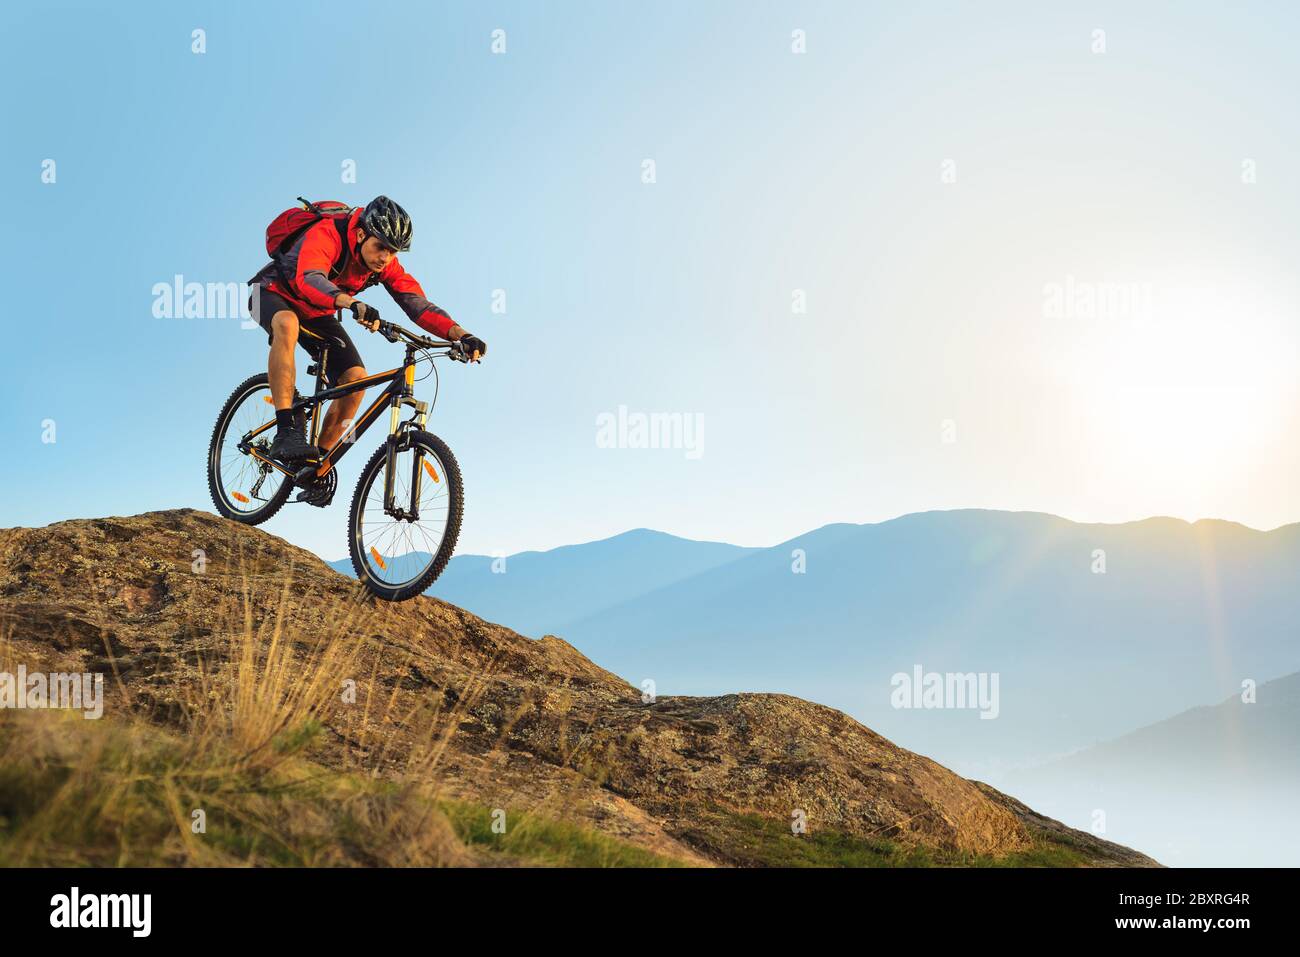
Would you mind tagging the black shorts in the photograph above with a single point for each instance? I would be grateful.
(343, 351)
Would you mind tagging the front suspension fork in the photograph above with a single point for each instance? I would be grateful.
(397, 440)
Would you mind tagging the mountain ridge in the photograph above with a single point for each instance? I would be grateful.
(1234, 761)
(1170, 519)
(1025, 594)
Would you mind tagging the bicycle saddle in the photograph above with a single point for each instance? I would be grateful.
(329, 340)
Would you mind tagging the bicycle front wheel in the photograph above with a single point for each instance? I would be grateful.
(400, 547)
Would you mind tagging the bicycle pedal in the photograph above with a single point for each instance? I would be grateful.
(305, 477)
(321, 492)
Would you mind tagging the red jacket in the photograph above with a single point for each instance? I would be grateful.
(311, 292)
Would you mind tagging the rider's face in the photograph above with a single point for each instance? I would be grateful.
(374, 253)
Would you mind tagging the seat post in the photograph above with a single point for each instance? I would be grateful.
(318, 412)
(320, 365)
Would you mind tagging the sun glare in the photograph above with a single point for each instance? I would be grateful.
(1191, 397)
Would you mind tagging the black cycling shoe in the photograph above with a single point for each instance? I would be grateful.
(291, 446)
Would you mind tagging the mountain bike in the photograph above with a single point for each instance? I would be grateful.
(406, 510)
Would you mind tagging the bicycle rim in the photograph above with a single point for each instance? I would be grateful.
(246, 484)
(398, 552)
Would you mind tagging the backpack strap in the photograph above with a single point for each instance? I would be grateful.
(341, 224)
(288, 241)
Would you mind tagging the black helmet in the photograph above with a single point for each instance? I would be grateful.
(389, 222)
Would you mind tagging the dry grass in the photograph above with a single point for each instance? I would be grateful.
(236, 755)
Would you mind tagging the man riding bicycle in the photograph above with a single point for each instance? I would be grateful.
(300, 289)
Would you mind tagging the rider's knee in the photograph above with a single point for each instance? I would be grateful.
(352, 374)
(284, 327)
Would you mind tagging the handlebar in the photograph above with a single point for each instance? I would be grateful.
(395, 333)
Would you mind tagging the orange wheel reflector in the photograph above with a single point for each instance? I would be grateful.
(239, 497)
(429, 468)
(268, 400)
(377, 559)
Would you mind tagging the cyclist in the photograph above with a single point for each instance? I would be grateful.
(296, 290)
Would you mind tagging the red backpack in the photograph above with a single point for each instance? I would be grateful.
(285, 229)
(292, 223)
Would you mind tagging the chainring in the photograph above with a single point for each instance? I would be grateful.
(322, 490)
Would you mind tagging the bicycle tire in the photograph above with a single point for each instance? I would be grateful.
(456, 503)
(273, 504)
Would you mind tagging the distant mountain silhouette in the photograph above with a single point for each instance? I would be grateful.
(1256, 741)
(1181, 614)
(1235, 765)
(536, 592)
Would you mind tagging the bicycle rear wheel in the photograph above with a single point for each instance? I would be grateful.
(242, 486)
(394, 556)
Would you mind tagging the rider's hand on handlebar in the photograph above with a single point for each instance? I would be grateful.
(473, 347)
(368, 316)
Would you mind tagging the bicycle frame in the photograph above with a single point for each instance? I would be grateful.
(399, 393)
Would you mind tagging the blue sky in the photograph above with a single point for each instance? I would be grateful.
(926, 174)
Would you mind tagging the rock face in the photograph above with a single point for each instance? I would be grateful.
(156, 599)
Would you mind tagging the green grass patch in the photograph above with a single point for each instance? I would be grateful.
(544, 842)
(752, 840)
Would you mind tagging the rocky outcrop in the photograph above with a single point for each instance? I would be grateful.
(159, 601)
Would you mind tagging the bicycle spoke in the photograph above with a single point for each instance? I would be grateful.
(238, 472)
(393, 539)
